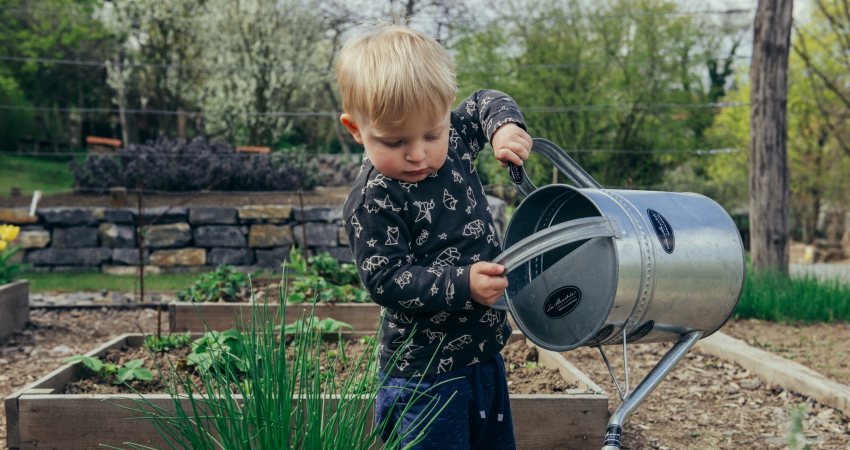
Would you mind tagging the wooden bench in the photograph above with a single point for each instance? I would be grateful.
(102, 145)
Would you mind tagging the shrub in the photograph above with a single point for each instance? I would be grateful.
(177, 165)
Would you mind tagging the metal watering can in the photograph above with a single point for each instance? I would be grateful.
(589, 266)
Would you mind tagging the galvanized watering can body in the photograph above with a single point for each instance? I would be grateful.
(592, 266)
(662, 264)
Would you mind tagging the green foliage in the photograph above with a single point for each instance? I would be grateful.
(587, 75)
(131, 370)
(243, 398)
(57, 29)
(9, 270)
(795, 437)
(97, 281)
(225, 284)
(322, 278)
(220, 352)
(778, 298)
(297, 263)
(30, 173)
(14, 124)
(93, 364)
(323, 326)
(167, 343)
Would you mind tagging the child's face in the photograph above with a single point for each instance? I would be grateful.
(407, 152)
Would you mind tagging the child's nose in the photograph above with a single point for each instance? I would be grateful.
(416, 154)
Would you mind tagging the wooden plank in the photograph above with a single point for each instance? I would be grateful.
(559, 421)
(197, 317)
(14, 307)
(85, 421)
(11, 404)
(780, 371)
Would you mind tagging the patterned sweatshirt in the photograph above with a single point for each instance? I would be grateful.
(413, 244)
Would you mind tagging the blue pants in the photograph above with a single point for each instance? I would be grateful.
(477, 417)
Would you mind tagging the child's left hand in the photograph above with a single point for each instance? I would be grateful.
(511, 144)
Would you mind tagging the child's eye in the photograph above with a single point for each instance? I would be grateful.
(432, 137)
(393, 144)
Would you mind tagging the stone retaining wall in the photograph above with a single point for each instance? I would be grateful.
(182, 239)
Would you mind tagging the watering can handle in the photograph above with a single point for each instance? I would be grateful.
(552, 237)
(562, 162)
(555, 236)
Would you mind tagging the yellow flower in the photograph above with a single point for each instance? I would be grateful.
(8, 233)
(3, 245)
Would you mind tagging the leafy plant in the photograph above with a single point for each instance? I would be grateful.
(795, 437)
(322, 278)
(167, 342)
(297, 264)
(323, 326)
(225, 284)
(178, 165)
(220, 352)
(254, 410)
(9, 270)
(131, 370)
(328, 267)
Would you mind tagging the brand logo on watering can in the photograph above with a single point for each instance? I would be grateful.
(663, 230)
(562, 302)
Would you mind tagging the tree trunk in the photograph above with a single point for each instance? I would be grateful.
(768, 133)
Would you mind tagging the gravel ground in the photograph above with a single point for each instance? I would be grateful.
(705, 403)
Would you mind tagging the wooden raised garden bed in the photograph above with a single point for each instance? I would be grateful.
(198, 317)
(14, 307)
(39, 418)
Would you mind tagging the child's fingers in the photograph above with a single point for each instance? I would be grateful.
(489, 268)
(506, 155)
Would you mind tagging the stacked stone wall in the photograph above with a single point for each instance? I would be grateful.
(179, 239)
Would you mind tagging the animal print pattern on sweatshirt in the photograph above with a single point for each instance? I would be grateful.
(414, 243)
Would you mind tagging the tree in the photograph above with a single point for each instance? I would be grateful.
(158, 65)
(823, 47)
(41, 37)
(768, 133)
(623, 86)
(276, 52)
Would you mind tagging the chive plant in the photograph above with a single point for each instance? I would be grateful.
(261, 398)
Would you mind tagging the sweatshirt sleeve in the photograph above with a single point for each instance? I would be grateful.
(481, 114)
(381, 244)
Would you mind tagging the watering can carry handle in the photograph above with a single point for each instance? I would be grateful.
(550, 238)
(553, 237)
(562, 162)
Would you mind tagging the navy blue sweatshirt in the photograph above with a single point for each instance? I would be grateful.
(413, 244)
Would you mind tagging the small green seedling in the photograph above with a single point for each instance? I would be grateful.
(132, 370)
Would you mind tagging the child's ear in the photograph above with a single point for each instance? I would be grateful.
(348, 122)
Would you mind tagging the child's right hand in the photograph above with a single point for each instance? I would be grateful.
(487, 282)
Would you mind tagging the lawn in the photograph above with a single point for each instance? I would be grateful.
(30, 173)
(96, 281)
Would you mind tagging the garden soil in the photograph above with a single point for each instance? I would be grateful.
(705, 403)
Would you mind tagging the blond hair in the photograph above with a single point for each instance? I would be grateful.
(393, 73)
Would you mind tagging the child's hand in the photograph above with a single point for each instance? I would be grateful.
(486, 282)
(511, 144)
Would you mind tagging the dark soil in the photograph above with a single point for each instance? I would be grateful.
(705, 403)
(525, 376)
